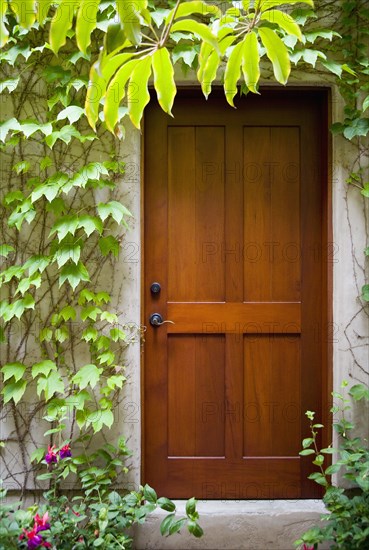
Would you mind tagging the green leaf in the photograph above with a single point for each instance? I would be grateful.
(6, 249)
(101, 417)
(50, 385)
(307, 452)
(90, 312)
(277, 53)
(14, 391)
(164, 83)
(65, 134)
(284, 21)
(115, 93)
(115, 381)
(191, 506)
(319, 459)
(268, 4)
(194, 528)
(109, 317)
(67, 252)
(194, 6)
(365, 103)
(44, 368)
(95, 91)
(117, 334)
(30, 128)
(7, 126)
(310, 56)
(358, 127)
(28, 301)
(43, 9)
(25, 11)
(45, 334)
(4, 34)
(37, 263)
(233, 73)
(38, 455)
(90, 333)
(61, 23)
(49, 191)
(67, 224)
(9, 84)
(109, 244)
(150, 494)
(26, 283)
(166, 504)
(114, 209)
(186, 52)
(108, 357)
(207, 74)
(250, 61)
(333, 469)
(128, 15)
(166, 523)
(61, 334)
(89, 375)
(359, 391)
(15, 370)
(139, 95)
(176, 526)
(307, 442)
(365, 293)
(44, 477)
(114, 38)
(13, 196)
(67, 313)
(72, 112)
(332, 66)
(193, 27)
(90, 224)
(22, 167)
(86, 23)
(11, 55)
(102, 297)
(318, 478)
(74, 274)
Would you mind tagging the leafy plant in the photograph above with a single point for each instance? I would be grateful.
(347, 523)
(98, 517)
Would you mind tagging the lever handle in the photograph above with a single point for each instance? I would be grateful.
(156, 320)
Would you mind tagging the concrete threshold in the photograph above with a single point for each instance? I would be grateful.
(236, 525)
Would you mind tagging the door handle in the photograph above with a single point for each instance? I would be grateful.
(156, 320)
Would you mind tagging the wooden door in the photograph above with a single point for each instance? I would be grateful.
(233, 220)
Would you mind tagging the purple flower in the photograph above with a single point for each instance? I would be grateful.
(34, 540)
(65, 451)
(51, 456)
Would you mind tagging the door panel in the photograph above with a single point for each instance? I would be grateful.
(194, 385)
(233, 215)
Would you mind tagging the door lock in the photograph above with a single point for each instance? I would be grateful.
(155, 288)
(156, 320)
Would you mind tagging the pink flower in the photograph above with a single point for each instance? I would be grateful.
(42, 523)
(306, 547)
(65, 451)
(51, 456)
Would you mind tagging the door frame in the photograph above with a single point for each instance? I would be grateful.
(327, 334)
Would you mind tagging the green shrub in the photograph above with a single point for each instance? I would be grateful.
(346, 525)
